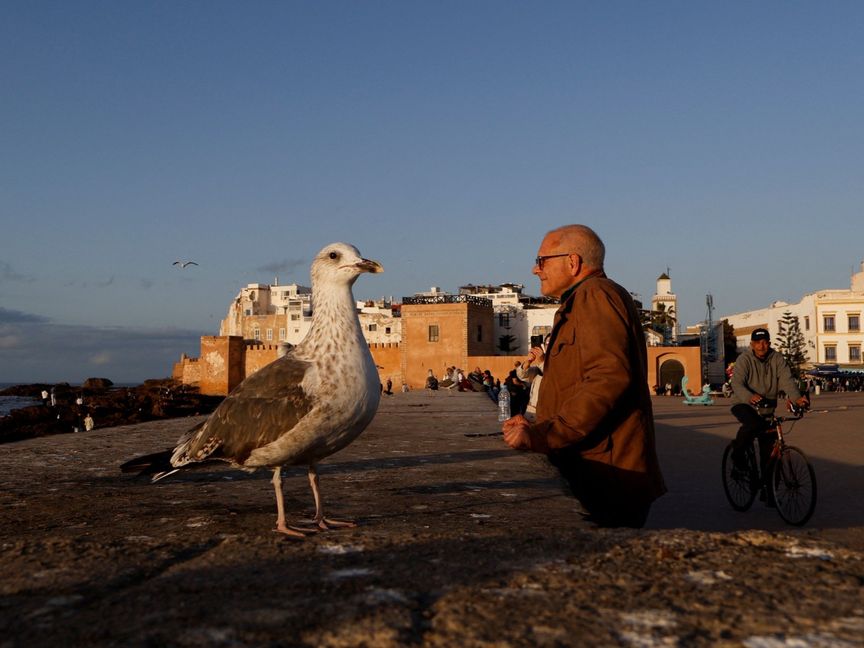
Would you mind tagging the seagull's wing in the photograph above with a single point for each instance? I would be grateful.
(262, 408)
(180, 263)
(190, 263)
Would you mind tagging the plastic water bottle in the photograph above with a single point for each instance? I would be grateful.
(503, 404)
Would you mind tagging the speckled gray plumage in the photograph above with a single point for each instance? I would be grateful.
(309, 403)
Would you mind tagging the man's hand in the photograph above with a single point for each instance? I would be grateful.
(754, 399)
(535, 356)
(803, 402)
(515, 431)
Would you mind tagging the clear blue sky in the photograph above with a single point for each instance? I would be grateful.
(721, 139)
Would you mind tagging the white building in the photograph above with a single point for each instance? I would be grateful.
(519, 318)
(272, 314)
(830, 321)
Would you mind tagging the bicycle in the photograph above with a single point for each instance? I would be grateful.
(788, 475)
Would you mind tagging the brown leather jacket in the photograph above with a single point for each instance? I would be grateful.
(594, 412)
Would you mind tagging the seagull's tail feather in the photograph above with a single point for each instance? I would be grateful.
(155, 464)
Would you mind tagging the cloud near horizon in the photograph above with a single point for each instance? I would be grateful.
(287, 266)
(34, 349)
(7, 273)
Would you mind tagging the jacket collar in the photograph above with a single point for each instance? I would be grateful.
(567, 305)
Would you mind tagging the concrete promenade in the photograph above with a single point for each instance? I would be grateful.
(461, 542)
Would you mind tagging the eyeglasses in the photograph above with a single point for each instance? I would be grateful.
(541, 260)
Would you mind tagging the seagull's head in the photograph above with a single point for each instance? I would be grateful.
(341, 263)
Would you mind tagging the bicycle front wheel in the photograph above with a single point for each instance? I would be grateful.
(740, 485)
(794, 484)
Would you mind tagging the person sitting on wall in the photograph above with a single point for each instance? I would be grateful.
(431, 381)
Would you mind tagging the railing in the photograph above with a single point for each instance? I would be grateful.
(447, 299)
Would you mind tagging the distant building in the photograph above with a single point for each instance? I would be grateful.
(830, 321)
(666, 301)
(490, 327)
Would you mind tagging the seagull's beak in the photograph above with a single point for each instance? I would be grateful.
(367, 265)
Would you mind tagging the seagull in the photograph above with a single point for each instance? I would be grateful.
(304, 406)
(183, 264)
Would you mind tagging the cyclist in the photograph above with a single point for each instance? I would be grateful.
(760, 374)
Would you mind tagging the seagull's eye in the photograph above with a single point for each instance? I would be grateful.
(334, 255)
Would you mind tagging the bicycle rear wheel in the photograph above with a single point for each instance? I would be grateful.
(741, 486)
(794, 483)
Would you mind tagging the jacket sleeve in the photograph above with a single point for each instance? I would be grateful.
(596, 343)
(740, 389)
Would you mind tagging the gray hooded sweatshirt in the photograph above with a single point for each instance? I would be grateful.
(764, 377)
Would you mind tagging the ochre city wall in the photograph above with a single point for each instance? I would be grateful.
(221, 363)
(388, 361)
(257, 356)
(464, 340)
(500, 366)
(689, 357)
(187, 371)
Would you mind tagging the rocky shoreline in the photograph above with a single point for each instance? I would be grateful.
(106, 404)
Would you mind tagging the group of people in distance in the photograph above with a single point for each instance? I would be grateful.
(517, 382)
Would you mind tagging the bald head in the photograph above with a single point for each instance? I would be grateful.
(581, 240)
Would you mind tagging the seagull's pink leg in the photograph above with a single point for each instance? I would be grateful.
(281, 527)
(320, 520)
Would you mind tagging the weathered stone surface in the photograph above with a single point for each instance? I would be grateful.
(461, 542)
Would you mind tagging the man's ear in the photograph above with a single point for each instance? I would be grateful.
(575, 262)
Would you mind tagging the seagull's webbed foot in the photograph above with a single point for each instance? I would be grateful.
(281, 527)
(325, 524)
(294, 532)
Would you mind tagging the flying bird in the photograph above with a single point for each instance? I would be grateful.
(306, 405)
(183, 264)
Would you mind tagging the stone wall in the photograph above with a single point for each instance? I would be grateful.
(257, 356)
(388, 361)
(222, 364)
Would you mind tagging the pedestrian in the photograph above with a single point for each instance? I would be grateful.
(45, 397)
(594, 419)
(389, 390)
(53, 397)
(89, 424)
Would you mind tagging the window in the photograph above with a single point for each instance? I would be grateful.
(854, 353)
(256, 333)
(295, 317)
(830, 353)
(372, 327)
(387, 330)
(828, 322)
(504, 320)
(854, 323)
(806, 322)
(479, 332)
(269, 334)
(282, 333)
(433, 332)
(248, 312)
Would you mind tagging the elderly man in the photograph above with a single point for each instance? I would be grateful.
(594, 418)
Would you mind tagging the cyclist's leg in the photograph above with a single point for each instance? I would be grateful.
(766, 446)
(751, 425)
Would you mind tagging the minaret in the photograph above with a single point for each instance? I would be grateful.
(665, 296)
